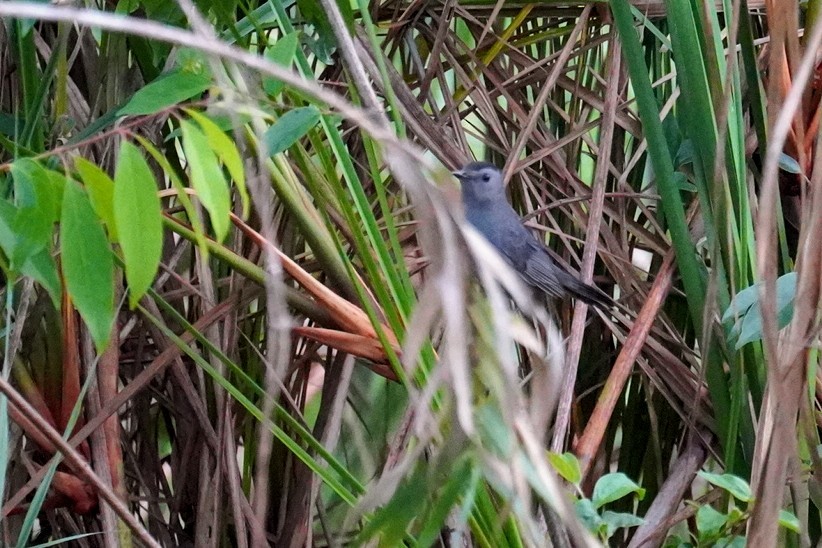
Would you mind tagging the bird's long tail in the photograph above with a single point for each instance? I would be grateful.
(586, 293)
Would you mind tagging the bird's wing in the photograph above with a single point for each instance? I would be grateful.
(542, 271)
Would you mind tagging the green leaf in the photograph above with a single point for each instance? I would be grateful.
(566, 466)
(289, 128)
(709, 522)
(614, 486)
(735, 516)
(786, 163)
(736, 541)
(789, 521)
(619, 520)
(682, 182)
(746, 298)
(735, 485)
(675, 541)
(137, 216)
(391, 521)
(587, 514)
(741, 303)
(182, 194)
(169, 89)
(88, 266)
(495, 431)
(37, 187)
(193, 61)
(745, 309)
(100, 190)
(207, 178)
(457, 483)
(8, 237)
(685, 154)
(227, 151)
(325, 43)
(37, 192)
(42, 268)
(281, 52)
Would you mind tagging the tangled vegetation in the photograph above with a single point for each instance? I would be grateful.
(242, 307)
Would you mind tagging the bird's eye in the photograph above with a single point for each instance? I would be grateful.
(486, 177)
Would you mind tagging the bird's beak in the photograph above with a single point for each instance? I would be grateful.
(459, 174)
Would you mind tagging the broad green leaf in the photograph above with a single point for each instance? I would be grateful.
(281, 52)
(566, 466)
(746, 298)
(750, 328)
(169, 89)
(207, 178)
(182, 194)
(8, 236)
(735, 485)
(735, 515)
(741, 303)
(55, 189)
(614, 486)
(677, 541)
(137, 216)
(736, 541)
(37, 193)
(495, 432)
(789, 521)
(289, 128)
(100, 190)
(587, 514)
(36, 187)
(42, 268)
(619, 520)
(39, 266)
(746, 310)
(709, 522)
(227, 151)
(786, 163)
(88, 266)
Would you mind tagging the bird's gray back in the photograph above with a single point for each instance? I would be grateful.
(487, 208)
(502, 227)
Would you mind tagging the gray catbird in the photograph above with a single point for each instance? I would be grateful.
(483, 196)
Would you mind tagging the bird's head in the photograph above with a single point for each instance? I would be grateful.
(481, 183)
